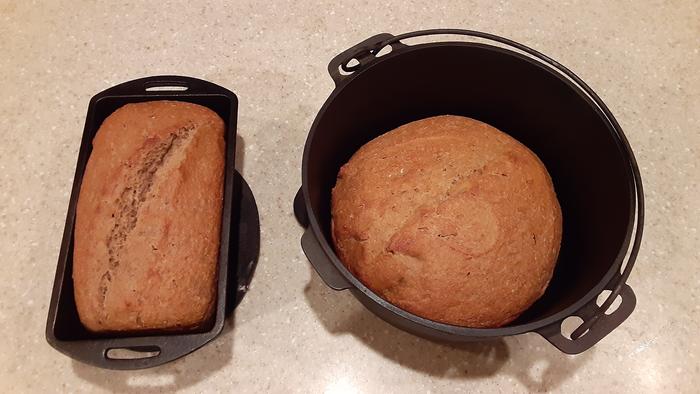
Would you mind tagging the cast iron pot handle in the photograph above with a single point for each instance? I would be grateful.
(367, 51)
(364, 53)
(314, 252)
(596, 324)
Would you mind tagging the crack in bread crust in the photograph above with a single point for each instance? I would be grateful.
(454, 188)
(134, 195)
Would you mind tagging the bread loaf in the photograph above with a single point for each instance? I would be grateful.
(148, 219)
(450, 219)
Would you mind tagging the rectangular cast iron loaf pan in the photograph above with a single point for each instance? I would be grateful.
(64, 330)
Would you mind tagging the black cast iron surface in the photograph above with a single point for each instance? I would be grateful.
(239, 246)
(525, 94)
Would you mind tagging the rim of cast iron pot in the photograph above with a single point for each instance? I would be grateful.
(449, 328)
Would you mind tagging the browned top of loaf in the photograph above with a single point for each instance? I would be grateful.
(450, 219)
(148, 219)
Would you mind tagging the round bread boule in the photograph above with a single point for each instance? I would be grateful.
(450, 219)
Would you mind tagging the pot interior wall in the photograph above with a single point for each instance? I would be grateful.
(591, 176)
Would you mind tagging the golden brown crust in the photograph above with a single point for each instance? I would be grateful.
(450, 219)
(148, 219)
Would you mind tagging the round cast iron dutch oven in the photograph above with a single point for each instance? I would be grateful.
(532, 98)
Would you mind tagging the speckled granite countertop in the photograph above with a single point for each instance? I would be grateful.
(291, 332)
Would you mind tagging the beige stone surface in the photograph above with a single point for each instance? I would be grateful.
(291, 333)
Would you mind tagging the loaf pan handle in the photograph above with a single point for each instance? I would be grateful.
(591, 313)
(167, 348)
(162, 356)
(363, 53)
(159, 85)
(313, 250)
